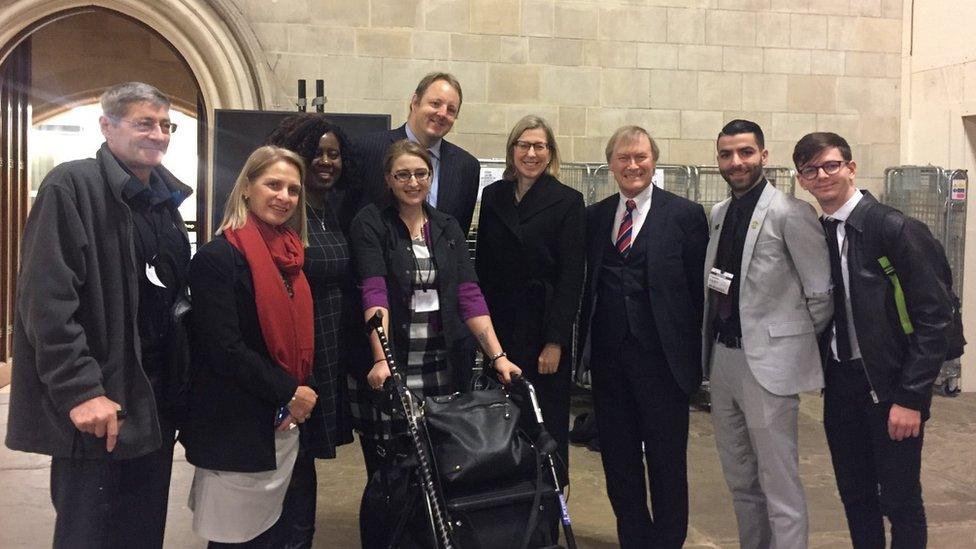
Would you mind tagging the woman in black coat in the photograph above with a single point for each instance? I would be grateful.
(252, 345)
(530, 261)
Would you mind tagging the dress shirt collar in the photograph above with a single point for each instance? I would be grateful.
(844, 211)
(643, 201)
(751, 198)
(434, 149)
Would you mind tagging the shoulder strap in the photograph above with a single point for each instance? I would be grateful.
(889, 270)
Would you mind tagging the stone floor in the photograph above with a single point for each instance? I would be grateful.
(948, 477)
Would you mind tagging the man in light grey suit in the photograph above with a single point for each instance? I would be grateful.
(767, 296)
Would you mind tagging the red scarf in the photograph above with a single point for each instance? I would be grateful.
(275, 254)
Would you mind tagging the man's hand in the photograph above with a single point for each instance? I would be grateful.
(549, 358)
(903, 422)
(98, 416)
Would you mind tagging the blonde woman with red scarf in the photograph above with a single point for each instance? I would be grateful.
(252, 343)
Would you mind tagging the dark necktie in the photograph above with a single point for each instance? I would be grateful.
(840, 293)
(625, 233)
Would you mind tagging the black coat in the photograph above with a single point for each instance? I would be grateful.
(381, 247)
(676, 241)
(236, 388)
(900, 368)
(530, 263)
(458, 180)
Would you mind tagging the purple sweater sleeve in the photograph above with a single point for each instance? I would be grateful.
(374, 293)
(471, 302)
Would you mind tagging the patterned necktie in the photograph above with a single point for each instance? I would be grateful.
(840, 300)
(626, 230)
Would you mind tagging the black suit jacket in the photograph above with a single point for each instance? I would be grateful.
(530, 262)
(235, 388)
(676, 241)
(457, 184)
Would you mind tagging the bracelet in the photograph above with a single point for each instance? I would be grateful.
(493, 358)
(378, 360)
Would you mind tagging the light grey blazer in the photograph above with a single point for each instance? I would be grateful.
(784, 292)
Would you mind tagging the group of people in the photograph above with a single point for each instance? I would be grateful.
(254, 353)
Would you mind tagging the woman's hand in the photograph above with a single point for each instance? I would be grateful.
(301, 404)
(549, 358)
(506, 369)
(378, 374)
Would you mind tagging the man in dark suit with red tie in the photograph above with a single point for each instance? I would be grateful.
(434, 107)
(642, 315)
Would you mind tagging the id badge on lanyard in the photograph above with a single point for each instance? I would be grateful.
(425, 301)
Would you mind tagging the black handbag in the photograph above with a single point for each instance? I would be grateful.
(476, 439)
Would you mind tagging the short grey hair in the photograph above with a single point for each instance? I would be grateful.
(117, 100)
(628, 134)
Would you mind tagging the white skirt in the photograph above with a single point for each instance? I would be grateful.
(230, 507)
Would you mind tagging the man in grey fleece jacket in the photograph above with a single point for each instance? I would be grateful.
(95, 346)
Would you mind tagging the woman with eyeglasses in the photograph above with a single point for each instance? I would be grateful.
(413, 265)
(529, 260)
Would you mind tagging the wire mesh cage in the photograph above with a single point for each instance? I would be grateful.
(937, 197)
(712, 188)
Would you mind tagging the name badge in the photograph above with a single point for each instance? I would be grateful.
(720, 281)
(153, 277)
(425, 301)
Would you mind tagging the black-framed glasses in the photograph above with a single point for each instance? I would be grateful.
(147, 125)
(405, 175)
(831, 167)
(524, 146)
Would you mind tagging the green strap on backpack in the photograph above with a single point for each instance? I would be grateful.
(889, 270)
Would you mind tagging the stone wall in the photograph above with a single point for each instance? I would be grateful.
(939, 120)
(679, 67)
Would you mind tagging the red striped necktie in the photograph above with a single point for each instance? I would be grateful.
(625, 233)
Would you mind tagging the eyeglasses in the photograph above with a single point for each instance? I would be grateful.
(147, 125)
(524, 146)
(830, 168)
(404, 175)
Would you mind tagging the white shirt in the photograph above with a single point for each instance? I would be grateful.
(435, 161)
(841, 215)
(643, 201)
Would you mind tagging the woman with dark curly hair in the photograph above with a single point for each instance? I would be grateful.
(338, 317)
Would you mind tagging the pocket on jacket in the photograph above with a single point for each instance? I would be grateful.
(785, 329)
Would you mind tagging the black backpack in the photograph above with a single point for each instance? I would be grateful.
(955, 338)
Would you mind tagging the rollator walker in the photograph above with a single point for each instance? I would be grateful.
(477, 473)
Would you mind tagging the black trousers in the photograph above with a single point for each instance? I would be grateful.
(637, 402)
(876, 476)
(106, 503)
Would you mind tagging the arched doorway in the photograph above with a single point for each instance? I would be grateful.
(214, 44)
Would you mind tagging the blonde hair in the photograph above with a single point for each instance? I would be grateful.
(236, 210)
(530, 122)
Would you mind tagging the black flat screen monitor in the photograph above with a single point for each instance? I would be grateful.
(238, 132)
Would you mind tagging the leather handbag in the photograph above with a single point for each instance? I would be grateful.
(476, 438)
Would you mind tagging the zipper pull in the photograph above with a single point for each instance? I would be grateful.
(874, 396)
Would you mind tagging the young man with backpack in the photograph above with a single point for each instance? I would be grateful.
(884, 349)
